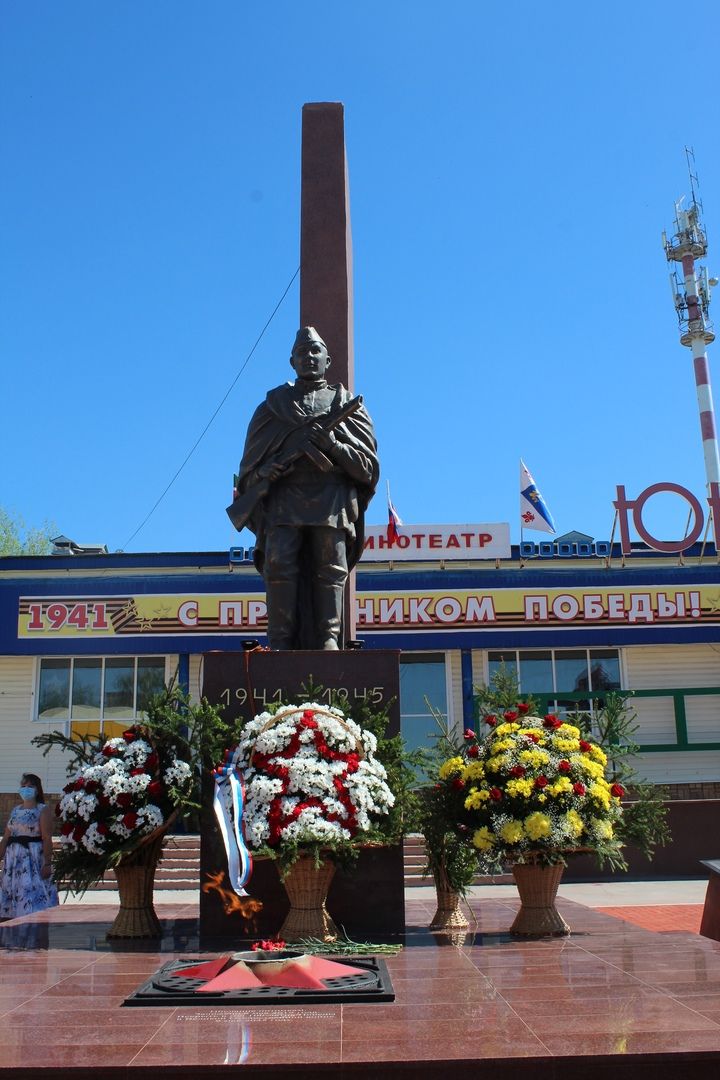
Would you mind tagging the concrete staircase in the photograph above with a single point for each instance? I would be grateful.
(179, 867)
(414, 858)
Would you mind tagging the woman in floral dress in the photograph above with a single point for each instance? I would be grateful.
(26, 850)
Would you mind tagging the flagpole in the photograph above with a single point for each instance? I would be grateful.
(522, 535)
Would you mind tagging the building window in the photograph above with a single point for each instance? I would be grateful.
(97, 689)
(552, 673)
(422, 680)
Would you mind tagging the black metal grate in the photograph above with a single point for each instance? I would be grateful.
(168, 987)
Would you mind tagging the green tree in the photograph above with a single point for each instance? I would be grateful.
(16, 538)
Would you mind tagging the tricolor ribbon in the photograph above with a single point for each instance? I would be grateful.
(240, 864)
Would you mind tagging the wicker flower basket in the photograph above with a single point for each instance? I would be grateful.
(307, 886)
(538, 886)
(449, 914)
(136, 880)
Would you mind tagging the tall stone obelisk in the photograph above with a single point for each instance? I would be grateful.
(326, 296)
(367, 900)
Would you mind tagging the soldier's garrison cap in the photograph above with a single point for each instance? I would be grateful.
(305, 335)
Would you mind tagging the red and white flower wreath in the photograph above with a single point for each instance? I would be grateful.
(311, 775)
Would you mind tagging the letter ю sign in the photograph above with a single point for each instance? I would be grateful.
(622, 504)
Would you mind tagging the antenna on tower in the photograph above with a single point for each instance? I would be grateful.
(691, 296)
(694, 182)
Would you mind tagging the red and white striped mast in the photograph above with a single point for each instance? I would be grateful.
(691, 296)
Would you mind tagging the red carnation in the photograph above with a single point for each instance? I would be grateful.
(308, 714)
(103, 829)
(541, 781)
(552, 721)
(564, 766)
(155, 789)
(109, 751)
(78, 832)
(137, 772)
(617, 790)
(130, 820)
(79, 784)
(585, 745)
(91, 787)
(67, 828)
(469, 734)
(130, 735)
(151, 761)
(523, 707)
(517, 770)
(308, 720)
(103, 800)
(496, 794)
(458, 784)
(533, 738)
(579, 788)
(473, 751)
(510, 715)
(124, 800)
(491, 719)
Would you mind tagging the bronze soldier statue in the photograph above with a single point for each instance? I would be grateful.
(308, 472)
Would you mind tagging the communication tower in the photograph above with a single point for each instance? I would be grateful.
(691, 297)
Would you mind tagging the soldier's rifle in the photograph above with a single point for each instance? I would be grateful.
(298, 444)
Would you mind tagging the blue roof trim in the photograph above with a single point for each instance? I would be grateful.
(115, 561)
(158, 559)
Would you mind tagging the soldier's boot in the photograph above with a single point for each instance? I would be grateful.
(282, 613)
(328, 602)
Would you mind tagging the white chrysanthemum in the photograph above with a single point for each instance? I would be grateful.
(94, 841)
(137, 753)
(177, 774)
(150, 817)
(85, 805)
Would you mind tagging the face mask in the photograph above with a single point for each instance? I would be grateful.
(27, 792)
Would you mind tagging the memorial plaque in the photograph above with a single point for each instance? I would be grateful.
(247, 683)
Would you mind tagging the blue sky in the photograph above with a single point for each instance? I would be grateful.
(511, 169)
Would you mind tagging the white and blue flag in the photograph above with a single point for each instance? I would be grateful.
(534, 513)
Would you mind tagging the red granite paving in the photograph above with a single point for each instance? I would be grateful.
(613, 1000)
(660, 917)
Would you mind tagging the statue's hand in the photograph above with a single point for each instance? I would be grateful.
(324, 440)
(271, 470)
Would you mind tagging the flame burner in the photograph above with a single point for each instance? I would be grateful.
(265, 979)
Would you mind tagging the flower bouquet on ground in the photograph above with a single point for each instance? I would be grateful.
(315, 792)
(124, 794)
(534, 791)
(113, 804)
(451, 860)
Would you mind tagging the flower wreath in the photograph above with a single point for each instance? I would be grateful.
(534, 787)
(311, 776)
(125, 794)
